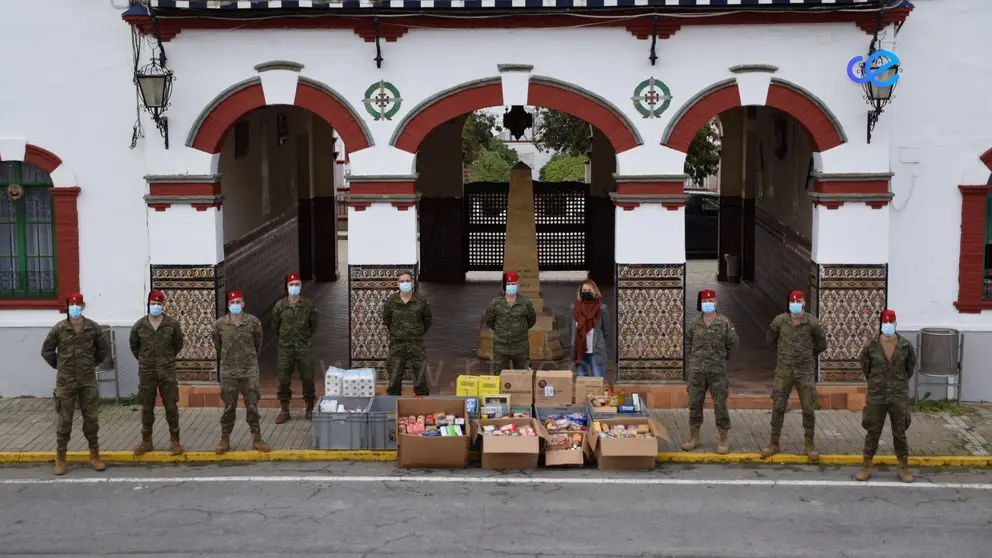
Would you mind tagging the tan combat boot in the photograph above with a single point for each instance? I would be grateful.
(810, 450)
(284, 413)
(176, 448)
(309, 415)
(773, 446)
(865, 472)
(693, 442)
(225, 444)
(145, 446)
(60, 466)
(902, 469)
(723, 447)
(259, 444)
(95, 461)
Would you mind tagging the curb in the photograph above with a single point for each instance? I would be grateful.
(390, 455)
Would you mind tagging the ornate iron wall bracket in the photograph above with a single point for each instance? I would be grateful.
(654, 39)
(378, 47)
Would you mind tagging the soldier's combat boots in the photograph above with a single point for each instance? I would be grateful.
(902, 469)
(693, 442)
(176, 448)
(309, 415)
(259, 444)
(810, 450)
(95, 462)
(60, 466)
(724, 446)
(773, 446)
(145, 446)
(225, 444)
(284, 413)
(865, 472)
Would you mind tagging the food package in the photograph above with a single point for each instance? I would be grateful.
(437, 424)
(508, 430)
(566, 422)
(565, 441)
(623, 431)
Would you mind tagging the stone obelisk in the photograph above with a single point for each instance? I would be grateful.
(520, 255)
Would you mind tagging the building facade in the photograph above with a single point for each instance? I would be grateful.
(268, 96)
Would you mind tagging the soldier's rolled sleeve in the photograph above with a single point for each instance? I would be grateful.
(773, 330)
(910, 362)
(178, 339)
(102, 346)
(428, 317)
(819, 339)
(134, 341)
(48, 348)
(257, 334)
(531, 315)
(733, 341)
(313, 320)
(490, 317)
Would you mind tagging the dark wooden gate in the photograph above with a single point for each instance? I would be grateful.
(560, 215)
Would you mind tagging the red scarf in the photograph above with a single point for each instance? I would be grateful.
(586, 316)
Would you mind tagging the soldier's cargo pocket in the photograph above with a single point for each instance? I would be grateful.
(864, 417)
(57, 401)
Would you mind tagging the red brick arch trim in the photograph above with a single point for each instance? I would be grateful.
(823, 128)
(208, 130)
(66, 234)
(542, 92)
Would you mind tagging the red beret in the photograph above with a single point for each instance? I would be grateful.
(796, 296)
(232, 295)
(888, 317)
(74, 298)
(707, 294)
(290, 277)
(512, 277)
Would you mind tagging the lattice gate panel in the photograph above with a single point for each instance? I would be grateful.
(485, 218)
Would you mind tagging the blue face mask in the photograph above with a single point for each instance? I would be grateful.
(709, 307)
(888, 330)
(235, 309)
(512, 289)
(155, 310)
(294, 290)
(75, 311)
(406, 287)
(795, 308)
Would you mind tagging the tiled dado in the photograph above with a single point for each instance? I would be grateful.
(650, 322)
(835, 397)
(368, 289)
(849, 300)
(193, 296)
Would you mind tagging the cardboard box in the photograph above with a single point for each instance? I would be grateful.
(446, 452)
(510, 452)
(488, 385)
(566, 457)
(467, 386)
(586, 386)
(552, 387)
(519, 384)
(626, 453)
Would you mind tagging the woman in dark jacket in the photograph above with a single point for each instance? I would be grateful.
(590, 324)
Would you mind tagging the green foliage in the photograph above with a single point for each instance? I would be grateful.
(953, 408)
(479, 134)
(507, 153)
(489, 166)
(562, 133)
(703, 157)
(564, 168)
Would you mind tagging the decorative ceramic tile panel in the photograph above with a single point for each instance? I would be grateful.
(191, 297)
(368, 289)
(650, 322)
(849, 302)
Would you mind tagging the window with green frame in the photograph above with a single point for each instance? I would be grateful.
(27, 233)
(987, 284)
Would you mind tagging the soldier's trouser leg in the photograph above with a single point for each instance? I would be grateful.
(251, 392)
(520, 361)
(168, 388)
(720, 390)
(416, 358)
(873, 423)
(66, 396)
(697, 394)
(89, 408)
(501, 361)
(285, 363)
(229, 389)
(304, 364)
(147, 390)
(396, 365)
(780, 399)
(806, 387)
(898, 420)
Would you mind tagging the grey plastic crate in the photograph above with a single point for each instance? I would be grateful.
(341, 430)
(596, 415)
(382, 423)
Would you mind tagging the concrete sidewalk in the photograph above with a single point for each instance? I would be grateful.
(28, 425)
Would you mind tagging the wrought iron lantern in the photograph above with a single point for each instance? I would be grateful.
(879, 87)
(517, 121)
(154, 83)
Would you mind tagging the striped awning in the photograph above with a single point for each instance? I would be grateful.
(505, 4)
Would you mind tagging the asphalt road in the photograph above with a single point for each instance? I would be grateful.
(272, 509)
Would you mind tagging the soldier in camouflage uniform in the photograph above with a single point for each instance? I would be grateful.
(74, 347)
(888, 362)
(407, 317)
(295, 321)
(237, 339)
(510, 316)
(800, 340)
(155, 341)
(711, 340)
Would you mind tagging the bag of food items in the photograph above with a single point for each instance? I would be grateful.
(566, 422)
(438, 424)
(567, 441)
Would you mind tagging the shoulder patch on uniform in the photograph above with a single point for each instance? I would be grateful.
(732, 328)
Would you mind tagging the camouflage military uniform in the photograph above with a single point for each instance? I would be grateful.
(238, 345)
(888, 393)
(798, 348)
(75, 353)
(407, 323)
(156, 349)
(295, 325)
(710, 347)
(510, 325)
